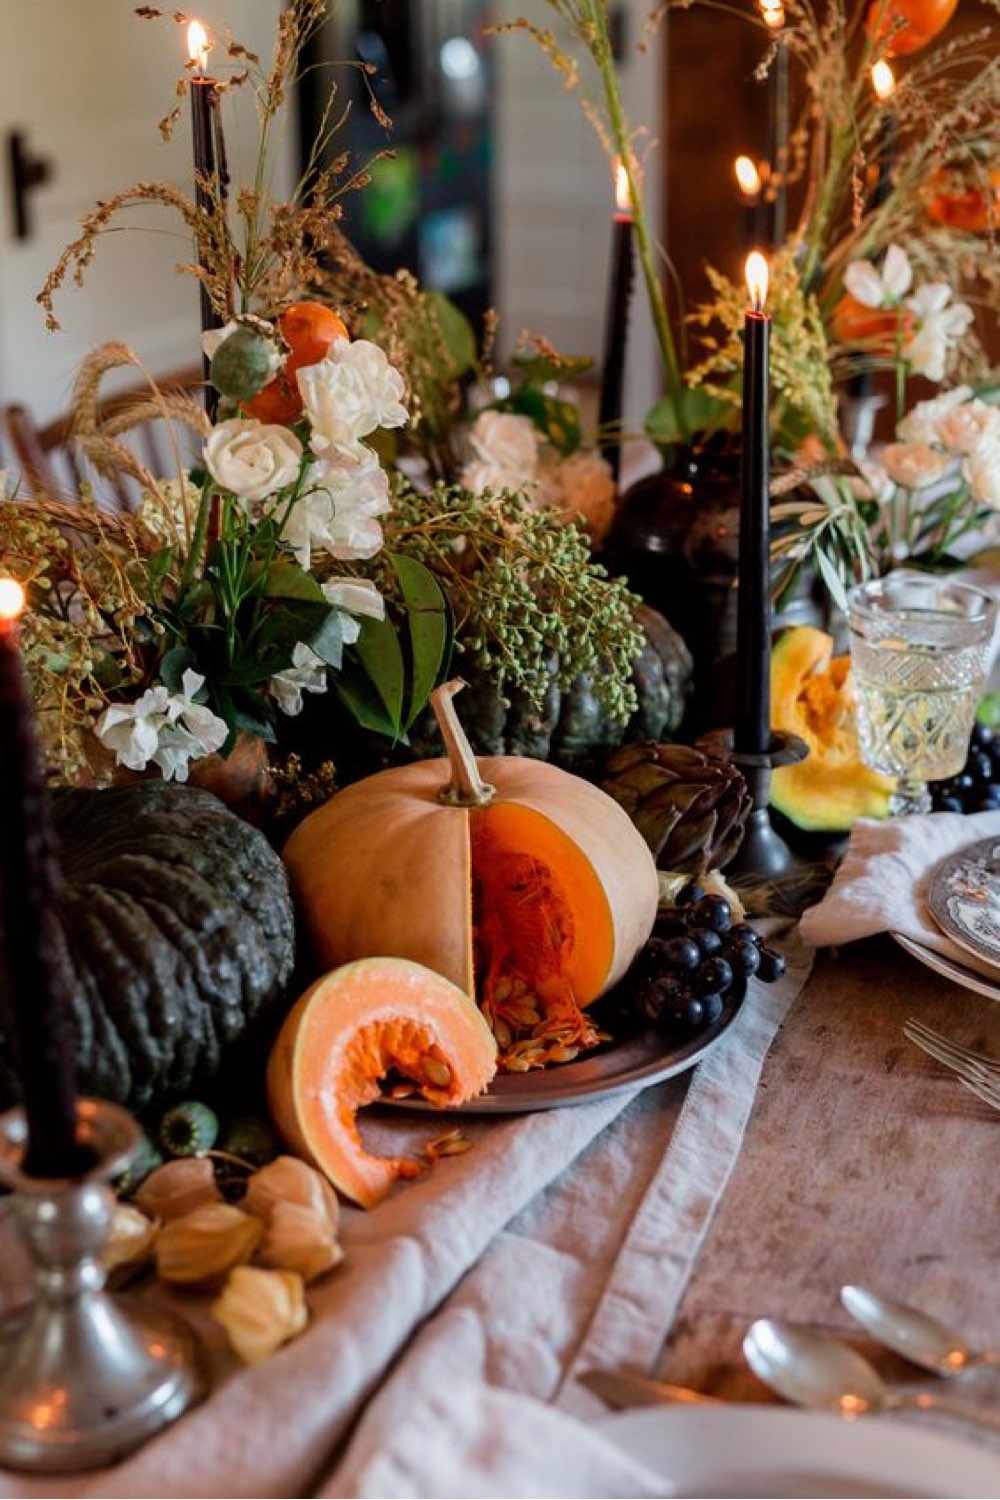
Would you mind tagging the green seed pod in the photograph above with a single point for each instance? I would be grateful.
(188, 1129)
(243, 364)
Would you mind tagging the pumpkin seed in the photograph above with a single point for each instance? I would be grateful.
(502, 1032)
(438, 1072)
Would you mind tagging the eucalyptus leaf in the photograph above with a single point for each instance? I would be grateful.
(173, 664)
(698, 411)
(328, 641)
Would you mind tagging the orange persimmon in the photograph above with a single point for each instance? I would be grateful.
(925, 19)
(875, 329)
(309, 328)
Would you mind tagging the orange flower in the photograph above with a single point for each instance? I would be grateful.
(925, 19)
(954, 201)
(876, 330)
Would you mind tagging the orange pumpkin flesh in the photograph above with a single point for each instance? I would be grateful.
(348, 1031)
(534, 900)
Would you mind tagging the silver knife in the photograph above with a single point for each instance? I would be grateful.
(624, 1388)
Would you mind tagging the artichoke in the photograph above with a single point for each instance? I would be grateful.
(689, 807)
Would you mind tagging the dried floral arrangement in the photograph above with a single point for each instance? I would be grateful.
(281, 566)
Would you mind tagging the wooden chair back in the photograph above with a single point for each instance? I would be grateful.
(51, 462)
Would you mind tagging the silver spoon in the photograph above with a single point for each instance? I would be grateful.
(914, 1334)
(815, 1369)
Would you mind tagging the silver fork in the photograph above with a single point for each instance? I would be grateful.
(974, 1070)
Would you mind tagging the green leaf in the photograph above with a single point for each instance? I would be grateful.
(328, 641)
(559, 420)
(428, 624)
(286, 580)
(699, 411)
(456, 334)
(194, 599)
(360, 697)
(174, 663)
(832, 579)
(380, 657)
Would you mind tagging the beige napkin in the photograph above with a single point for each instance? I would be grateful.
(881, 885)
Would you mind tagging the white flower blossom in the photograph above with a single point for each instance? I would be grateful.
(252, 459)
(940, 325)
(307, 674)
(338, 510)
(350, 597)
(349, 394)
(885, 287)
(914, 465)
(505, 447)
(168, 729)
(981, 470)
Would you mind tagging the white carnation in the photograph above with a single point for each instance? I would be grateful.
(505, 448)
(349, 394)
(914, 465)
(338, 510)
(981, 470)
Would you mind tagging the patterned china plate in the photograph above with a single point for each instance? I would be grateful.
(964, 899)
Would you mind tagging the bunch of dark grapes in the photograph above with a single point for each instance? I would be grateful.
(694, 958)
(976, 788)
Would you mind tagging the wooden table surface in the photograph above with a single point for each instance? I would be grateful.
(864, 1161)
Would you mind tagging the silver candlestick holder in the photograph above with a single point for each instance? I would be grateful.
(82, 1381)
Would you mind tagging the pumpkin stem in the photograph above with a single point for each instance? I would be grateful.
(466, 787)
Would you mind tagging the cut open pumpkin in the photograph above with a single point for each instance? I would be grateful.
(352, 1029)
(528, 887)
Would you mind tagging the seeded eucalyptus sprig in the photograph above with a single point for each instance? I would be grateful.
(523, 591)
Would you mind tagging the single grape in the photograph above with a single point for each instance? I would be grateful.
(772, 965)
(681, 953)
(744, 933)
(689, 894)
(713, 911)
(694, 1013)
(713, 1007)
(707, 939)
(980, 768)
(962, 782)
(743, 958)
(949, 803)
(715, 974)
(982, 736)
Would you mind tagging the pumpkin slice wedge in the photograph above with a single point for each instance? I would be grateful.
(349, 1030)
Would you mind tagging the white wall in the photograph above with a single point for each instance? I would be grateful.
(88, 81)
(554, 200)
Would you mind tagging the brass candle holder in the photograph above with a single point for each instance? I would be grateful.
(82, 1381)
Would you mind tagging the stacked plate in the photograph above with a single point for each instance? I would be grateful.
(964, 899)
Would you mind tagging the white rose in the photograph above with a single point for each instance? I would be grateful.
(252, 459)
(981, 470)
(348, 395)
(507, 442)
(582, 485)
(914, 465)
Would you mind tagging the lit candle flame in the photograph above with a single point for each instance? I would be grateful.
(623, 194)
(747, 176)
(11, 599)
(883, 81)
(756, 273)
(197, 38)
(773, 14)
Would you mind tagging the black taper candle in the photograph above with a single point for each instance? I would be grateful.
(205, 129)
(752, 728)
(777, 193)
(616, 331)
(29, 890)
